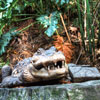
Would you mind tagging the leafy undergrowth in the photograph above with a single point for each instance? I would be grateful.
(28, 41)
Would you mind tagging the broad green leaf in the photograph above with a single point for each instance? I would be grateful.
(5, 39)
(1, 15)
(50, 22)
(64, 1)
(9, 1)
(50, 31)
(61, 2)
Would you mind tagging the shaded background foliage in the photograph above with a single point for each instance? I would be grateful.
(47, 13)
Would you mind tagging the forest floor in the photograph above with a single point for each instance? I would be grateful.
(25, 44)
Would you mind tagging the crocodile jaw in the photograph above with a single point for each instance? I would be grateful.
(51, 67)
(51, 74)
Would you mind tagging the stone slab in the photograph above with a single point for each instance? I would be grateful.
(76, 91)
(84, 91)
(74, 65)
(81, 74)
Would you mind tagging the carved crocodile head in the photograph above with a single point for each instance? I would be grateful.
(44, 65)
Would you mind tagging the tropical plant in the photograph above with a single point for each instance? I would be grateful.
(87, 19)
(49, 13)
(11, 11)
(5, 39)
(50, 22)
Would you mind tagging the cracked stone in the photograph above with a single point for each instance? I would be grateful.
(82, 74)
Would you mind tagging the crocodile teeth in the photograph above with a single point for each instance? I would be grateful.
(58, 66)
(55, 64)
(63, 62)
(48, 67)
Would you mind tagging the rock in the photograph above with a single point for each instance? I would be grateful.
(81, 74)
(75, 91)
(74, 65)
(84, 91)
(6, 71)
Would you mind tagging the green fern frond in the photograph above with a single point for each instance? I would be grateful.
(5, 39)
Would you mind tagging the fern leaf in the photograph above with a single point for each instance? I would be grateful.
(5, 39)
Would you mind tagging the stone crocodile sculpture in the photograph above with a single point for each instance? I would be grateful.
(44, 65)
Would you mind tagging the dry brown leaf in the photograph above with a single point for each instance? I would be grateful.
(25, 53)
(65, 16)
(65, 47)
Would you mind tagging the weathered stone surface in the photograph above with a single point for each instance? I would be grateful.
(76, 91)
(6, 71)
(34, 93)
(81, 73)
(74, 65)
(84, 91)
